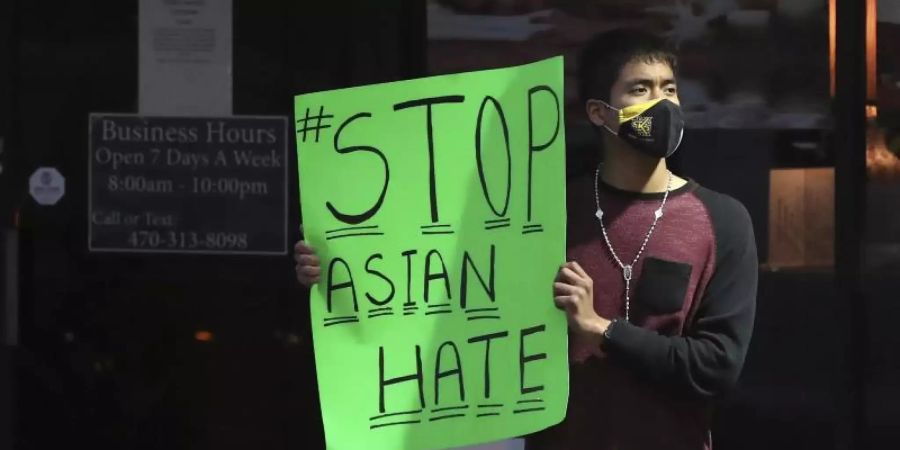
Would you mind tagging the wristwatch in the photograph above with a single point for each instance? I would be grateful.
(608, 331)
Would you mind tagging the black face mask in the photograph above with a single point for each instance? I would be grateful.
(655, 127)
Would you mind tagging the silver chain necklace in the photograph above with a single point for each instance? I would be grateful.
(628, 270)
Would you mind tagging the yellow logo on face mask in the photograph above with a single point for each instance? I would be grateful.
(643, 126)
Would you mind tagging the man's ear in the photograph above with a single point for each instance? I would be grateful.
(600, 114)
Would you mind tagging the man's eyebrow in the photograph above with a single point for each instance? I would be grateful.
(644, 81)
(648, 81)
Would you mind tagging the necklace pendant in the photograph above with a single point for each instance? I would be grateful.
(658, 213)
(626, 273)
(599, 214)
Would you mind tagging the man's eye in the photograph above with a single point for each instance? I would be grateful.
(671, 91)
(639, 91)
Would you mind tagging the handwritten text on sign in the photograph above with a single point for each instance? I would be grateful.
(437, 207)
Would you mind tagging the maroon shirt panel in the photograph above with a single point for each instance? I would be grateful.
(610, 407)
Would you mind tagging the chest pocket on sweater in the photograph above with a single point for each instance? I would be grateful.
(662, 286)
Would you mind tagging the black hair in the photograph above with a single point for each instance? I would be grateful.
(603, 57)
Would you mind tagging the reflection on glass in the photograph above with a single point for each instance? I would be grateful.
(756, 64)
(883, 137)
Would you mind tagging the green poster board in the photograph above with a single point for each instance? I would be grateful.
(437, 208)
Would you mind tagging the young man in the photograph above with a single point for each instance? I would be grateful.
(660, 287)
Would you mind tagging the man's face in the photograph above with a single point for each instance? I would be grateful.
(638, 82)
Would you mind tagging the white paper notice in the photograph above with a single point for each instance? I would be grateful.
(185, 49)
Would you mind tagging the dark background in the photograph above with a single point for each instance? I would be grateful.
(107, 356)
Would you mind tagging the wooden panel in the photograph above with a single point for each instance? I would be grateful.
(801, 217)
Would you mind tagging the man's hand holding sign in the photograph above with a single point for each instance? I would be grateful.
(436, 208)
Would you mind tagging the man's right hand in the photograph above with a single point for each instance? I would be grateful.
(307, 267)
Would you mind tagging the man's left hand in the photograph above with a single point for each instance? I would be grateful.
(573, 292)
